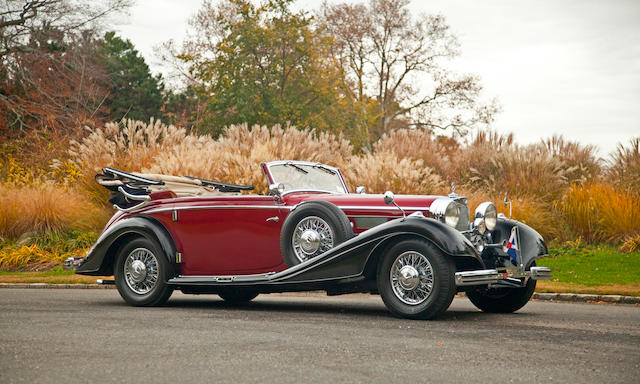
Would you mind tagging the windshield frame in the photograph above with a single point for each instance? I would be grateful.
(266, 169)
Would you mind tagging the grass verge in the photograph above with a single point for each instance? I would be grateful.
(55, 276)
(593, 270)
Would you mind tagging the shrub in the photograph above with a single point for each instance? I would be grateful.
(235, 155)
(33, 257)
(600, 212)
(129, 145)
(624, 166)
(631, 244)
(579, 162)
(45, 207)
(416, 144)
(382, 171)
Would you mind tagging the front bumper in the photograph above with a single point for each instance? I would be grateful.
(73, 262)
(506, 275)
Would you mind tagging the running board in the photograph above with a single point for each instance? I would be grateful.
(206, 280)
(492, 276)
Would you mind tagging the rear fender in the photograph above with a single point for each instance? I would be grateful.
(101, 257)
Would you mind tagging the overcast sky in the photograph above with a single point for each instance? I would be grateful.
(566, 66)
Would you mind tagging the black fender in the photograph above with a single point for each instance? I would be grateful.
(532, 245)
(348, 261)
(355, 256)
(101, 257)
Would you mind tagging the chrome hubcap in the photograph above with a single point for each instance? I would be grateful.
(408, 278)
(309, 241)
(141, 271)
(311, 237)
(412, 278)
(138, 271)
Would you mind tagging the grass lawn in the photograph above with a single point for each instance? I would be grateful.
(55, 276)
(597, 269)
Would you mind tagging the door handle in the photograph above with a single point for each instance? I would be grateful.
(275, 219)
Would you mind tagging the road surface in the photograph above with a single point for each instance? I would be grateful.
(75, 335)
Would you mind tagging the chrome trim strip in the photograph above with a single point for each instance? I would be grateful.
(312, 190)
(155, 210)
(286, 207)
(381, 208)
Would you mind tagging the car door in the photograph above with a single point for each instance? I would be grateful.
(229, 235)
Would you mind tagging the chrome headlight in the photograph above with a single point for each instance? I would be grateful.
(447, 210)
(486, 216)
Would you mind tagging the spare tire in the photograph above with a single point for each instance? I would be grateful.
(311, 229)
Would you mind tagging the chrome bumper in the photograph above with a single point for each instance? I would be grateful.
(73, 262)
(492, 276)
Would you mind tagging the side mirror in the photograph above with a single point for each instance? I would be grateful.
(388, 197)
(361, 189)
(276, 189)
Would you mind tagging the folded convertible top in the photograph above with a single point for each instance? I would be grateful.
(140, 183)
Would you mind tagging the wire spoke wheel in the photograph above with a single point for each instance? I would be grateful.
(141, 271)
(411, 277)
(312, 236)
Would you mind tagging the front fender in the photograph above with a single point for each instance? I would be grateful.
(101, 257)
(359, 254)
(532, 245)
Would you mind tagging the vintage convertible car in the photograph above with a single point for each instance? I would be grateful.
(309, 233)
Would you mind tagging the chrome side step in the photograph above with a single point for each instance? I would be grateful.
(492, 276)
(204, 280)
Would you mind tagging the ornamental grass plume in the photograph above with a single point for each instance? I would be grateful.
(416, 144)
(382, 171)
(600, 212)
(128, 145)
(235, 156)
(44, 208)
(624, 166)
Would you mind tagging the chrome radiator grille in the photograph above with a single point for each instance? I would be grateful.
(463, 210)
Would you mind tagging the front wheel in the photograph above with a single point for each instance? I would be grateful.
(142, 272)
(502, 300)
(416, 280)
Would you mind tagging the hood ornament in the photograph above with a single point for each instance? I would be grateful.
(453, 193)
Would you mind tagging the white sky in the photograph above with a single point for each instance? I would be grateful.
(566, 66)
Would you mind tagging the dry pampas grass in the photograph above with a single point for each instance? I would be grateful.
(43, 208)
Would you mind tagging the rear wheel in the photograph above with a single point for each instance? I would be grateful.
(416, 280)
(142, 272)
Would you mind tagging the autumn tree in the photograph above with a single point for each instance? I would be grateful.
(261, 64)
(51, 78)
(398, 61)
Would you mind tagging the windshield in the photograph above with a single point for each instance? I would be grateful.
(305, 176)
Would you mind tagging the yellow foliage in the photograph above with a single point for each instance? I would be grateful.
(33, 258)
(599, 212)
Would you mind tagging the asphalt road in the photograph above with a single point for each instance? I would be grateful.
(68, 336)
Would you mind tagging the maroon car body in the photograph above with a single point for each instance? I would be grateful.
(310, 233)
